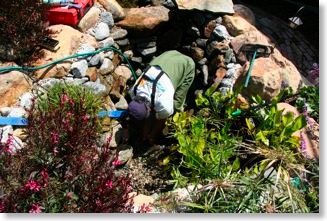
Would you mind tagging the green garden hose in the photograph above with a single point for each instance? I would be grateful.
(31, 69)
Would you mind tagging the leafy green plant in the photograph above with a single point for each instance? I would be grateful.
(63, 168)
(308, 98)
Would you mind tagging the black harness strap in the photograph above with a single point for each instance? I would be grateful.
(154, 84)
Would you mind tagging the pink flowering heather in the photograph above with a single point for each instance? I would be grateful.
(109, 184)
(45, 177)
(116, 162)
(33, 185)
(35, 208)
(54, 137)
(64, 99)
(9, 147)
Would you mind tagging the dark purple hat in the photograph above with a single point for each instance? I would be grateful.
(138, 110)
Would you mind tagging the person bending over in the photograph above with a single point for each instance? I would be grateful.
(159, 92)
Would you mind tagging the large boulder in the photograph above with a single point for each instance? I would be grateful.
(90, 19)
(12, 85)
(268, 72)
(114, 8)
(245, 12)
(69, 41)
(144, 21)
(216, 6)
(237, 25)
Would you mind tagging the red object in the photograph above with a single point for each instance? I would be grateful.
(69, 14)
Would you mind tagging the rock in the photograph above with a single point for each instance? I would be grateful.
(118, 33)
(69, 41)
(220, 74)
(97, 88)
(125, 152)
(144, 21)
(123, 42)
(140, 200)
(4, 111)
(92, 74)
(89, 19)
(123, 72)
(114, 8)
(237, 25)
(217, 6)
(20, 133)
(265, 79)
(245, 12)
(197, 53)
(220, 33)
(147, 52)
(201, 43)
(95, 60)
(101, 31)
(79, 68)
(121, 104)
(26, 100)
(107, 67)
(252, 37)
(108, 42)
(12, 85)
(208, 29)
(115, 135)
(85, 48)
(107, 18)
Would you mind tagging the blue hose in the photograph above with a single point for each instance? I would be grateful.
(31, 69)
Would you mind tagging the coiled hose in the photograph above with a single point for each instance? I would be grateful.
(31, 69)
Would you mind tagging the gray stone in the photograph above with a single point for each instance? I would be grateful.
(226, 82)
(85, 48)
(106, 67)
(203, 61)
(220, 33)
(125, 153)
(168, 3)
(148, 51)
(48, 83)
(101, 31)
(17, 112)
(26, 100)
(79, 81)
(119, 33)
(4, 111)
(95, 60)
(205, 73)
(109, 54)
(108, 42)
(98, 89)
(229, 55)
(79, 68)
(137, 59)
(200, 42)
(106, 17)
(193, 31)
(123, 42)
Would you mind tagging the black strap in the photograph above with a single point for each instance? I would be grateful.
(154, 84)
(154, 87)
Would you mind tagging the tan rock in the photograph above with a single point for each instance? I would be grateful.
(12, 85)
(208, 29)
(114, 7)
(89, 19)
(69, 41)
(20, 133)
(145, 20)
(220, 74)
(92, 73)
(245, 12)
(141, 199)
(237, 25)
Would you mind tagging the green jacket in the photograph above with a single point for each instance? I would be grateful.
(181, 70)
